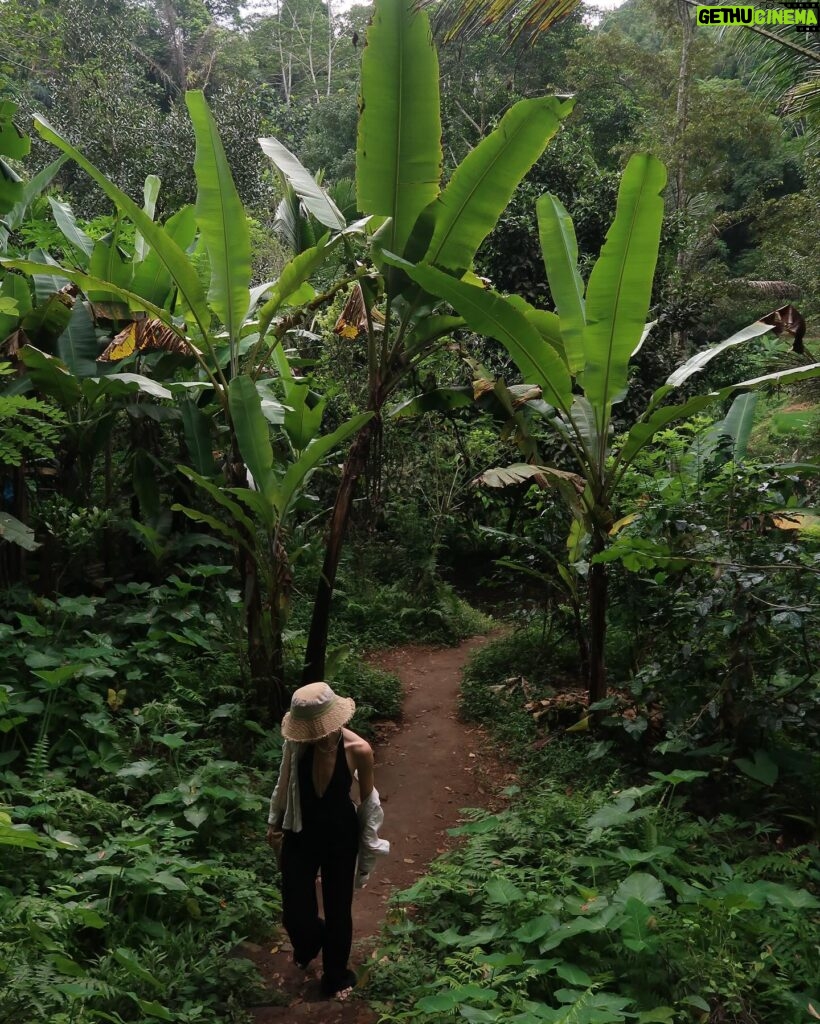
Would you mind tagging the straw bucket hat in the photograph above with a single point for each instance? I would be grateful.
(315, 711)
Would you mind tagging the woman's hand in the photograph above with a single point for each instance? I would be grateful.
(274, 839)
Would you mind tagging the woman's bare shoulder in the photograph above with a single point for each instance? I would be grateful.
(357, 746)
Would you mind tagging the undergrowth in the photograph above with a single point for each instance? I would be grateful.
(613, 905)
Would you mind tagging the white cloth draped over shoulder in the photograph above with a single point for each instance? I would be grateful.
(286, 812)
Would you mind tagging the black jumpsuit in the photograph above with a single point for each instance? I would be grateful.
(328, 842)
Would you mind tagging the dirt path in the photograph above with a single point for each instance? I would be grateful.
(426, 770)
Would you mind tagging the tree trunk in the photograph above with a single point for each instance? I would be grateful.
(597, 626)
(682, 104)
(354, 466)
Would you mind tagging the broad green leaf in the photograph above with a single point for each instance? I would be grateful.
(141, 383)
(310, 458)
(152, 279)
(398, 151)
(13, 530)
(222, 220)
(14, 287)
(125, 958)
(535, 929)
(294, 273)
(705, 356)
(438, 400)
(573, 975)
(51, 376)
(252, 431)
(427, 330)
(645, 429)
(620, 285)
(89, 283)
(48, 277)
(761, 768)
(660, 1015)
(640, 886)
(77, 346)
(176, 261)
(150, 192)
(560, 250)
(483, 183)
(312, 195)
(545, 322)
(501, 890)
(490, 314)
(67, 966)
(31, 190)
(780, 377)
(66, 222)
(197, 429)
(21, 836)
(679, 775)
(196, 516)
(12, 189)
(220, 497)
(154, 1009)
(196, 815)
(577, 926)
(14, 142)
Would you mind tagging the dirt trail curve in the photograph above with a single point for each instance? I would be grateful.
(426, 770)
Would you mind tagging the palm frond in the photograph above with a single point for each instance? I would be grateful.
(524, 19)
(771, 289)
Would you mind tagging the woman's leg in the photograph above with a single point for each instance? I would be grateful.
(338, 867)
(300, 911)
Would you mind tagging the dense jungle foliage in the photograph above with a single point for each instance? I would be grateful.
(323, 332)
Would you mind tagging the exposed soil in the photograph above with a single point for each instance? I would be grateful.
(427, 768)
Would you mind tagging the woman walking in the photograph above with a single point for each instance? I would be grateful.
(315, 827)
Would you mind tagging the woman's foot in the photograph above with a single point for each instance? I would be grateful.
(339, 988)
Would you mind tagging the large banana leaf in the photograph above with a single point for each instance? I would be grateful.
(700, 359)
(294, 273)
(654, 419)
(89, 283)
(39, 183)
(490, 314)
(252, 431)
(152, 278)
(176, 261)
(398, 152)
(197, 428)
(310, 458)
(221, 496)
(67, 223)
(312, 195)
(110, 263)
(16, 532)
(545, 322)
(222, 221)
(77, 346)
(620, 285)
(150, 193)
(483, 183)
(560, 249)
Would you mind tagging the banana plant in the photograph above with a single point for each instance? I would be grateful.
(228, 327)
(413, 217)
(259, 517)
(579, 358)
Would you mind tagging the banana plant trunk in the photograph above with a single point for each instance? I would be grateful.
(354, 467)
(597, 625)
(262, 624)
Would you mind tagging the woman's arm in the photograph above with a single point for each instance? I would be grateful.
(370, 814)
